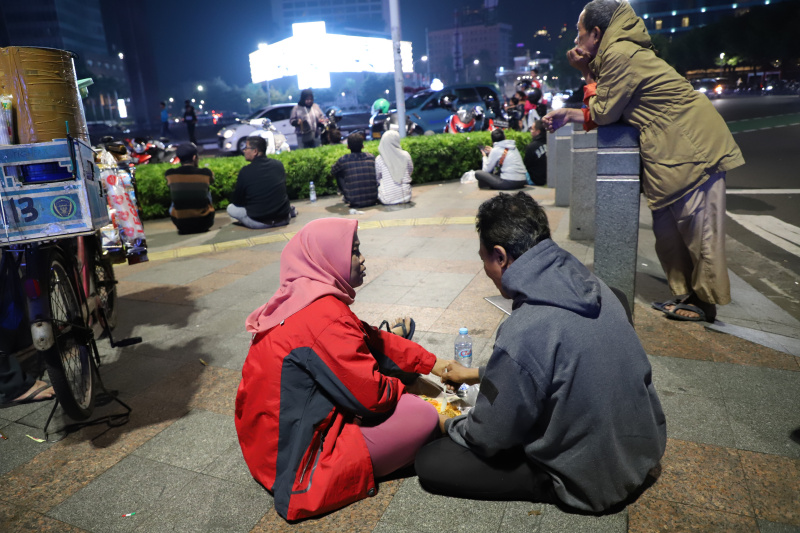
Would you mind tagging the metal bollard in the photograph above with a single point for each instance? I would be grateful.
(563, 165)
(582, 185)
(551, 160)
(617, 216)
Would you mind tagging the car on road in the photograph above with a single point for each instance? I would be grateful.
(711, 87)
(430, 110)
(233, 138)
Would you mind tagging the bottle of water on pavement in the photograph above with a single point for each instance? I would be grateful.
(312, 192)
(463, 347)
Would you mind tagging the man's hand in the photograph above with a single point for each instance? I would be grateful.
(579, 59)
(555, 119)
(456, 373)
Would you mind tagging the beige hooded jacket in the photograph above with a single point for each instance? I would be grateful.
(683, 138)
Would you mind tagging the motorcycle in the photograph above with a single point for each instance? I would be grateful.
(276, 141)
(467, 119)
(144, 150)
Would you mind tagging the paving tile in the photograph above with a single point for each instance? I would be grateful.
(703, 475)
(17, 449)
(260, 285)
(555, 520)
(660, 337)
(765, 526)
(774, 484)
(414, 510)
(377, 292)
(481, 321)
(442, 345)
(359, 517)
(190, 269)
(682, 376)
(198, 386)
(18, 520)
(697, 418)
(441, 265)
(208, 504)
(764, 427)
(134, 485)
(760, 386)
(55, 474)
(135, 371)
(436, 289)
(191, 443)
(230, 466)
(650, 514)
(424, 317)
(449, 248)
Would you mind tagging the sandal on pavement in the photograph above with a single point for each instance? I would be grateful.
(661, 306)
(31, 397)
(701, 315)
(407, 333)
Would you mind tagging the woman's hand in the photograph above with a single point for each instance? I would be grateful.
(439, 367)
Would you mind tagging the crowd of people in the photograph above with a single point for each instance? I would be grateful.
(321, 413)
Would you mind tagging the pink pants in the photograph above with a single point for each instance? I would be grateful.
(394, 443)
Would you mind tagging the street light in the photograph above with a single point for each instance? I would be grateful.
(200, 88)
(249, 111)
(202, 101)
(121, 55)
(171, 100)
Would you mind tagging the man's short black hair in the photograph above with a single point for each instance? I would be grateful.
(498, 135)
(163, 103)
(259, 144)
(599, 13)
(515, 222)
(355, 141)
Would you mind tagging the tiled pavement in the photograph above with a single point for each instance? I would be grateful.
(730, 403)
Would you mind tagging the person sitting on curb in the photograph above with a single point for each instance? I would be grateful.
(536, 155)
(189, 188)
(317, 416)
(503, 168)
(355, 174)
(567, 412)
(259, 200)
(393, 169)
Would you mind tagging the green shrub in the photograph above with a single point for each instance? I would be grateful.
(441, 157)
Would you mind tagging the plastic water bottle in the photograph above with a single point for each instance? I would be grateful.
(312, 192)
(463, 347)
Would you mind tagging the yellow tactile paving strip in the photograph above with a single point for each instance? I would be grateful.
(283, 237)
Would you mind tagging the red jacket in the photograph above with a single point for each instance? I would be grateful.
(304, 385)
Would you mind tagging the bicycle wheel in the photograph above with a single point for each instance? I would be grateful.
(106, 286)
(69, 361)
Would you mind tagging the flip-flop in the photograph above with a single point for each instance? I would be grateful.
(30, 397)
(407, 334)
(660, 306)
(688, 307)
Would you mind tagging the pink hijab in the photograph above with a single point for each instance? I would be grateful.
(315, 263)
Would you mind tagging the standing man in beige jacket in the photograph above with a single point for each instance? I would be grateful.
(686, 148)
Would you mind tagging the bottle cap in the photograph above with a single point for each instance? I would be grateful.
(463, 331)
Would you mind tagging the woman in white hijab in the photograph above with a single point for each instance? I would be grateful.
(393, 168)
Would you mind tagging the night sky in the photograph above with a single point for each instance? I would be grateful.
(205, 39)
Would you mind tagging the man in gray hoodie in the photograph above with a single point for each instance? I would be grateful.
(567, 412)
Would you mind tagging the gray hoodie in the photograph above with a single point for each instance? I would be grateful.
(568, 381)
(513, 168)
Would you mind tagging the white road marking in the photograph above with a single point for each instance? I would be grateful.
(763, 191)
(772, 229)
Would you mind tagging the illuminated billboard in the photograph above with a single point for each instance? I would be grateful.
(312, 54)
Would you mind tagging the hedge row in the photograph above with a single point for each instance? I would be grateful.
(436, 158)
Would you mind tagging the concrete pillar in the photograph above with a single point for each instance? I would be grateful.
(582, 185)
(551, 160)
(563, 164)
(617, 217)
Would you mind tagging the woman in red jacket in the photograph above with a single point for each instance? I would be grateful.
(317, 419)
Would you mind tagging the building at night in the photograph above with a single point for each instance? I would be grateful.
(103, 36)
(674, 16)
